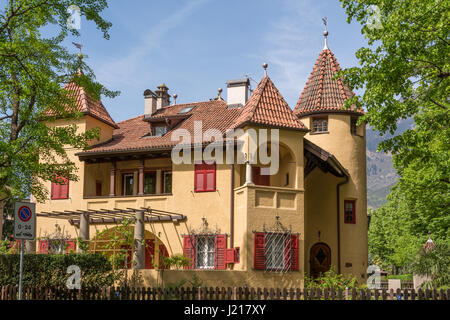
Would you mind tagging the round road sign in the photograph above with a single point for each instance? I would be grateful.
(24, 213)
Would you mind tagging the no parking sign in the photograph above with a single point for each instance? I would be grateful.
(24, 221)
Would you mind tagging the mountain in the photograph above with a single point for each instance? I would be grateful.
(380, 173)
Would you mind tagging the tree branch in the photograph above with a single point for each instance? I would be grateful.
(438, 104)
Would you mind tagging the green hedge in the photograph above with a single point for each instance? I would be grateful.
(51, 270)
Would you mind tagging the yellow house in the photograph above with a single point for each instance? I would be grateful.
(239, 219)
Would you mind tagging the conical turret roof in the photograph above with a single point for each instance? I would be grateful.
(322, 93)
(267, 106)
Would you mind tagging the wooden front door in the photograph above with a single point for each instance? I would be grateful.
(319, 259)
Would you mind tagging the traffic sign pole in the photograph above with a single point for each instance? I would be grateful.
(24, 229)
(21, 269)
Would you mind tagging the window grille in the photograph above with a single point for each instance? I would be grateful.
(279, 247)
(204, 252)
(278, 251)
(205, 248)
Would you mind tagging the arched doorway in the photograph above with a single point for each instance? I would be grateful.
(155, 250)
(319, 259)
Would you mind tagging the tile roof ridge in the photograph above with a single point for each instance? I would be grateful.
(134, 118)
(84, 97)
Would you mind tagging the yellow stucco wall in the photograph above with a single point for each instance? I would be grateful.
(305, 206)
(350, 150)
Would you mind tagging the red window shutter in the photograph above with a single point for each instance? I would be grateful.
(56, 191)
(162, 253)
(43, 246)
(230, 256)
(210, 180)
(70, 246)
(199, 180)
(189, 250)
(149, 253)
(259, 255)
(294, 252)
(220, 247)
(64, 189)
(205, 177)
(60, 191)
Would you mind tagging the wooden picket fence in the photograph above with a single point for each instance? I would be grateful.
(240, 293)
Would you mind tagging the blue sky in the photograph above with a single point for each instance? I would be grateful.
(195, 46)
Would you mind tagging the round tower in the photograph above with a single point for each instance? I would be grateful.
(335, 129)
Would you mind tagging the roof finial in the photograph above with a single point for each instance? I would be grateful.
(325, 33)
(175, 96)
(219, 94)
(265, 65)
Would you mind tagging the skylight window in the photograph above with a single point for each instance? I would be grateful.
(186, 110)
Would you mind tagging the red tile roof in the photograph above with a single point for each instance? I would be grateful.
(87, 105)
(267, 107)
(132, 134)
(322, 93)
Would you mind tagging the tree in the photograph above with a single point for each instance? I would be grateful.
(435, 264)
(33, 70)
(404, 72)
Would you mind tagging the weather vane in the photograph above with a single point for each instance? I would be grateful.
(79, 46)
(80, 55)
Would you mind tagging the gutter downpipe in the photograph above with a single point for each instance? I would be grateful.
(339, 220)
(232, 207)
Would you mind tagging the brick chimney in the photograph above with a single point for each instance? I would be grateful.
(162, 97)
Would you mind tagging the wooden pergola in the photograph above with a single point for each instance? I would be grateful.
(108, 216)
(82, 219)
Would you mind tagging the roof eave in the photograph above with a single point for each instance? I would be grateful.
(319, 112)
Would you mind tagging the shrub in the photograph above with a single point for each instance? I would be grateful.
(331, 279)
(51, 270)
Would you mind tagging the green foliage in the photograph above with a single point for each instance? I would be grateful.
(33, 70)
(82, 245)
(193, 282)
(403, 277)
(405, 72)
(331, 279)
(177, 260)
(51, 270)
(123, 235)
(435, 264)
(5, 248)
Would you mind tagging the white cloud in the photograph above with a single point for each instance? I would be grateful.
(112, 72)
